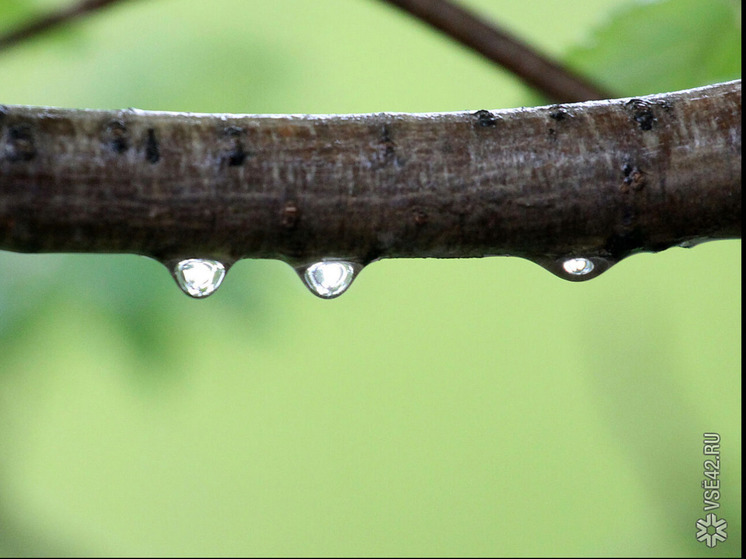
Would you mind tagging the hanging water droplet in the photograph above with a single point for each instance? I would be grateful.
(578, 266)
(330, 278)
(199, 277)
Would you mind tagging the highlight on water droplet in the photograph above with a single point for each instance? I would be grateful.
(329, 278)
(199, 277)
(578, 266)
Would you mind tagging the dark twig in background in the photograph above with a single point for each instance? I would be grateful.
(537, 70)
(51, 20)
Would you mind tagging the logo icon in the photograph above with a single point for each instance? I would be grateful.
(711, 530)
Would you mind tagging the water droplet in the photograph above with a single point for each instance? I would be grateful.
(329, 278)
(578, 266)
(199, 277)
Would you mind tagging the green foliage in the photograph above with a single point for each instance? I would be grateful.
(14, 12)
(651, 47)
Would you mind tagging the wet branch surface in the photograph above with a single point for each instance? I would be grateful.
(600, 180)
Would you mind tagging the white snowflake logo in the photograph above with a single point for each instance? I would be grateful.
(711, 537)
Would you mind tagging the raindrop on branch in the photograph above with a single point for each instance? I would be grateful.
(578, 266)
(199, 277)
(329, 278)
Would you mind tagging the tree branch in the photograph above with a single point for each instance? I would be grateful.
(599, 180)
(49, 21)
(499, 46)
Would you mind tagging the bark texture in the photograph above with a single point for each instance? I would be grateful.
(599, 179)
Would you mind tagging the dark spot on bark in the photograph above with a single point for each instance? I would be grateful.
(116, 136)
(232, 150)
(420, 218)
(384, 151)
(558, 113)
(20, 143)
(386, 135)
(290, 215)
(485, 119)
(389, 153)
(152, 151)
(634, 178)
(3, 112)
(642, 113)
(388, 143)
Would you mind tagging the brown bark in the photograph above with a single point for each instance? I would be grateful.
(599, 179)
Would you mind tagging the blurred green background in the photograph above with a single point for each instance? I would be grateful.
(440, 407)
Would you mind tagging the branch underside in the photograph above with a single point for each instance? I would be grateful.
(599, 179)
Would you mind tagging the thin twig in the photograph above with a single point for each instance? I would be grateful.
(539, 71)
(48, 21)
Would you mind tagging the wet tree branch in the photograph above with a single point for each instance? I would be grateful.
(537, 70)
(598, 179)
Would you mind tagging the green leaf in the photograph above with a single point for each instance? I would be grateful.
(651, 47)
(14, 12)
